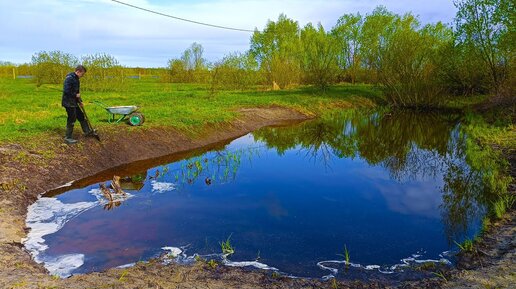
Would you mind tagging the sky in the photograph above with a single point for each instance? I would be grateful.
(139, 38)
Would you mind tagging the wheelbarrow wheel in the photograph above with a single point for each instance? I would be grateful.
(136, 118)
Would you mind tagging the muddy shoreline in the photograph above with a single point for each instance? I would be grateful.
(29, 172)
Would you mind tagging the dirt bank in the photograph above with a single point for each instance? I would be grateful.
(27, 172)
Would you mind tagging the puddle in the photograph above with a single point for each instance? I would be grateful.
(395, 190)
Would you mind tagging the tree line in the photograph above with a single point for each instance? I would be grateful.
(416, 65)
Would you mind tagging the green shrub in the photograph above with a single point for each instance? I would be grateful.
(408, 68)
(52, 67)
(234, 71)
(104, 73)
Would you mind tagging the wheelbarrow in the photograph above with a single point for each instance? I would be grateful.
(117, 114)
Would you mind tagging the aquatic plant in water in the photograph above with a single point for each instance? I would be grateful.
(226, 247)
(346, 255)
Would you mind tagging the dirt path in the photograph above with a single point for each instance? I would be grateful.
(27, 172)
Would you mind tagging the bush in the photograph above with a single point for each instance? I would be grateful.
(104, 73)
(408, 68)
(52, 67)
(235, 71)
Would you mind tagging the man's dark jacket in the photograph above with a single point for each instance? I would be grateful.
(71, 87)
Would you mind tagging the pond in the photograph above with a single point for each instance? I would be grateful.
(348, 195)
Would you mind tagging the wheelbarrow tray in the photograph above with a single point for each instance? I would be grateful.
(125, 110)
(129, 111)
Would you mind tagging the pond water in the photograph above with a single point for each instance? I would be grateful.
(392, 189)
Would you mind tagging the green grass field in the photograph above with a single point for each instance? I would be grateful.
(27, 111)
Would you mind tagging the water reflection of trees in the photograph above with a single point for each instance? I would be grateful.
(395, 140)
(322, 138)
(217, 166)
(409, 145)
(406, 143)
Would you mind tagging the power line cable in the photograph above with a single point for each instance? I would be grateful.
(182, 19)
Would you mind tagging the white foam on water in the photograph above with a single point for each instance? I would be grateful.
(47, 216)
(174, 251)
(162, 187)
(64, 265)
(386, 271)
(179, 254)
(126, 266)
(332, 270)
(255, 264)
(405, 262)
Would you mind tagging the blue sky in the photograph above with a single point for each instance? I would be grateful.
(138, 38)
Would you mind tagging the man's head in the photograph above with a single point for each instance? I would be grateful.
(80, 70)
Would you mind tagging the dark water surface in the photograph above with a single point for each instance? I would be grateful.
(386, 187)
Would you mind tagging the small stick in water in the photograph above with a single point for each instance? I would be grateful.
(115, 184)
(106, 192)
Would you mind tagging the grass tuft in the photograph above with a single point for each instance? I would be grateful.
(227, 248)
(346, 255)
(466, 246)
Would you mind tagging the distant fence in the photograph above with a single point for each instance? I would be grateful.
(140, 76)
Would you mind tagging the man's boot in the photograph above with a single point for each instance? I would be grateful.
(86, 128)
(69, 134)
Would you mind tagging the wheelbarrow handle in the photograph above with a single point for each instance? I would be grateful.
(99, 103)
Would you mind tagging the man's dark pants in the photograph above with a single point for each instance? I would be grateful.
(75, 113)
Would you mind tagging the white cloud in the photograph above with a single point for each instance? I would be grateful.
(137, 37)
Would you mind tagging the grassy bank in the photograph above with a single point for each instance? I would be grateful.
(27, 111)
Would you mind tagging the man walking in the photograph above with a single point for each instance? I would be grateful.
(71, 102)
